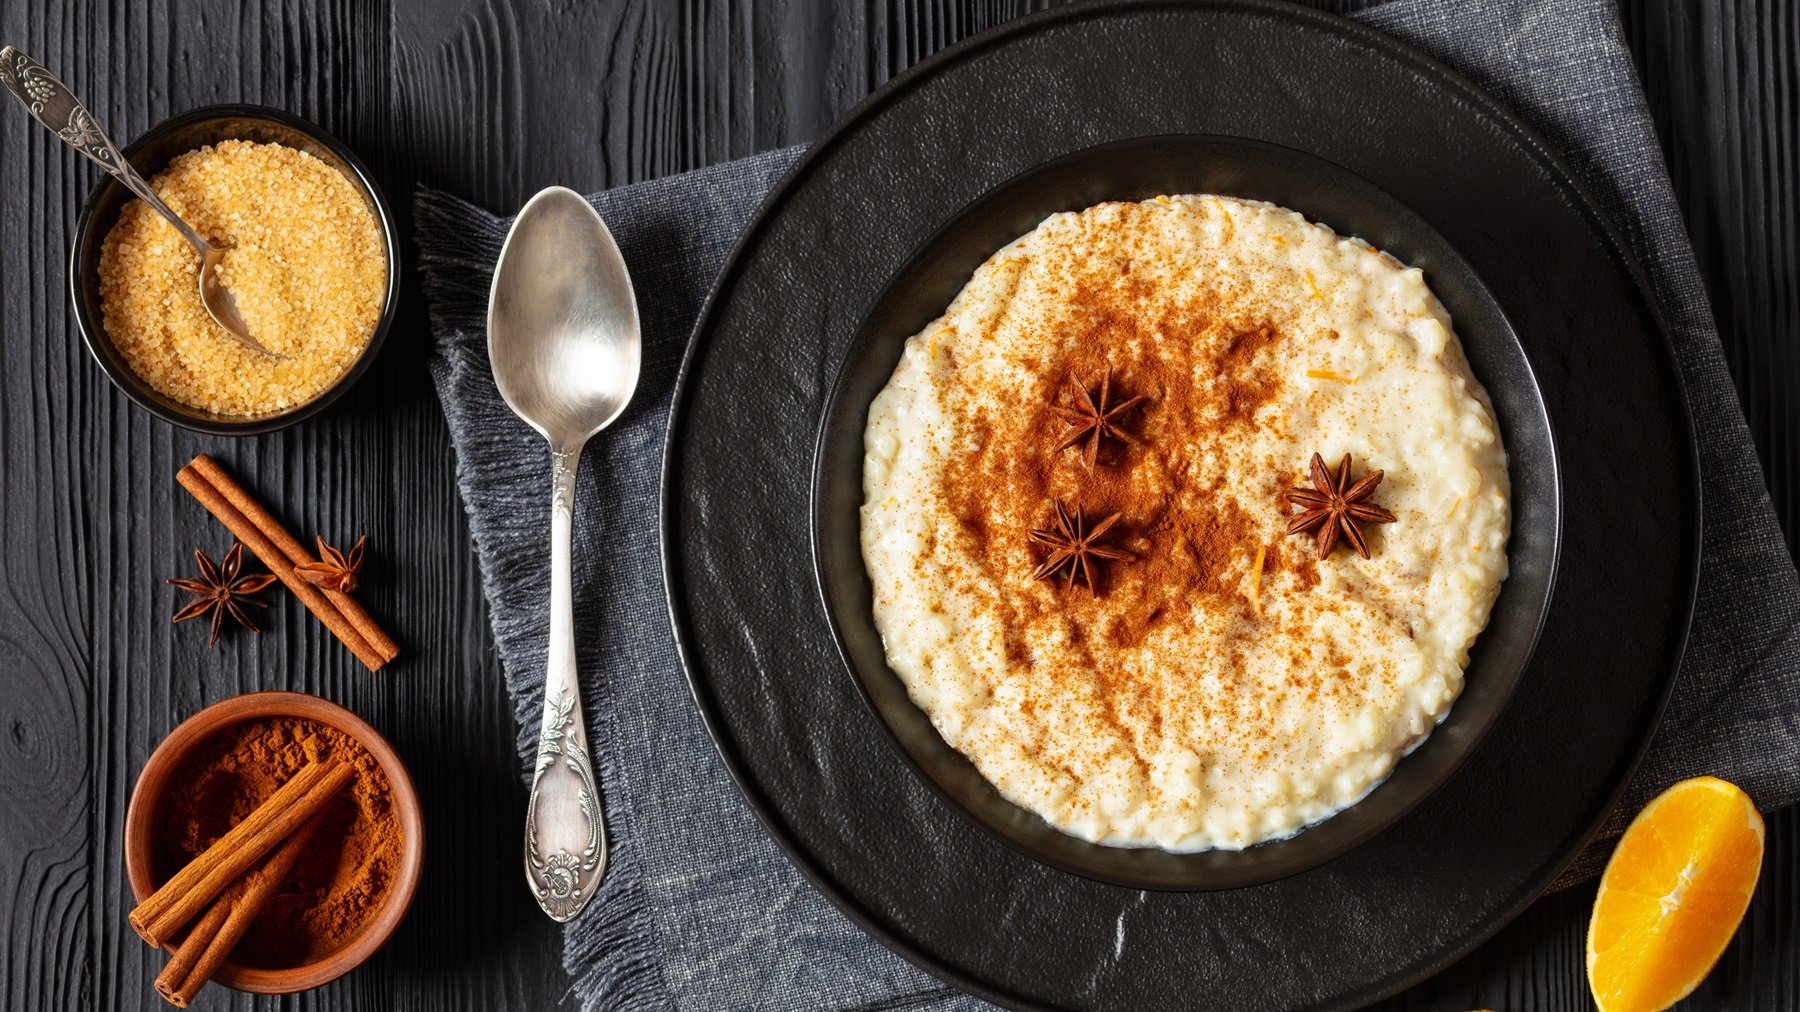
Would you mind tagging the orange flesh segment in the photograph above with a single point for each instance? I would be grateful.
(1673, 895)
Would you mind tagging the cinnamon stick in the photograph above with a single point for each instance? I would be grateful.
(265, 549)
(218, 931)
(205, 877)
(296, 552)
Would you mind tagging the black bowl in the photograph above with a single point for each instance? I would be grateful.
(149, 153)
(1134, 170)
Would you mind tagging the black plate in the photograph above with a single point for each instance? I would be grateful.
(1135, 170)
(808, 752)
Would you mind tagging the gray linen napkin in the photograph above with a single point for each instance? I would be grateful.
(699, 909)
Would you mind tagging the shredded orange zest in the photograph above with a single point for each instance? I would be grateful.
(1312, 283)
(1230, 225)
(1454, 507)
(1329, 374)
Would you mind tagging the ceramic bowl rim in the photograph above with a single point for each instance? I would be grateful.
(1253, 865)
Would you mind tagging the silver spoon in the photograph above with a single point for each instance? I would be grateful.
(564, 344)
(51, 103)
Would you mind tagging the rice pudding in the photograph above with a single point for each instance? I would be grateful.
(1220, 684)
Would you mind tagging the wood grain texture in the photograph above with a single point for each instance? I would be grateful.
(1723, 80)
(495, 99)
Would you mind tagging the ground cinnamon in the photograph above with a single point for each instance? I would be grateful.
(305, 794)
(1211, 365)
(340, 878)
(210, 940)
(1184, 538)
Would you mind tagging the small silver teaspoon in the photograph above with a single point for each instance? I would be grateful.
(51, 103)
(564, 344)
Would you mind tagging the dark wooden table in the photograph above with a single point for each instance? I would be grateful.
(494, 99)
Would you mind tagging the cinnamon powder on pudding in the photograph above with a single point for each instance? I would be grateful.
(1202, 375)
(343, 875)
(1206, 369)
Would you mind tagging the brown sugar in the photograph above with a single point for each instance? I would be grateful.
(308, 270)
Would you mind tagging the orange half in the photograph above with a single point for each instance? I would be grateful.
(1673, 895)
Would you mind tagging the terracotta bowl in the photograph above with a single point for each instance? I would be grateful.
(145, 811)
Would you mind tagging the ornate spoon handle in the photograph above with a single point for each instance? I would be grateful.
(565, 837)
(51, 103)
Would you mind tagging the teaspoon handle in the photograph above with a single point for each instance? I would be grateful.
(565, 837)
(51, 103)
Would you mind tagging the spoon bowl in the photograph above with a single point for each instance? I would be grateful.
(564, 344)
(563, 334)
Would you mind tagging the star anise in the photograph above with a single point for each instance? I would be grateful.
(1073, 548)
(221, 591)
(1333, 509)
(335, 570)
(1094, 418)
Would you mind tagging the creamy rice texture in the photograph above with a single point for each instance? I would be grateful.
(1224, 686)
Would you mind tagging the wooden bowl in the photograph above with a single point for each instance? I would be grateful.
(144, 813)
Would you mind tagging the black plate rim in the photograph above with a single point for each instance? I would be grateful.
(1254, 875)
(1583, 202)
